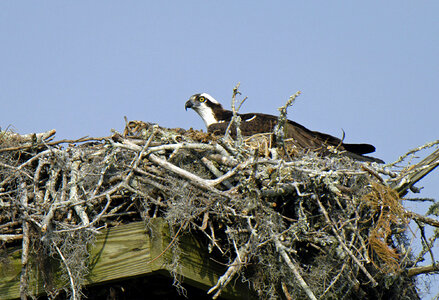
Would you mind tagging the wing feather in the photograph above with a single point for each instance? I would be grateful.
(303, 137)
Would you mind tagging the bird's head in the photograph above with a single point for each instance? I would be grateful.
(206, 106)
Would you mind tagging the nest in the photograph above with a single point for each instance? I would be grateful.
(290, 224)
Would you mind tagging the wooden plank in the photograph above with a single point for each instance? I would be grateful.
(130, 250)
(119, 252)
(196, 266)
(10, 271)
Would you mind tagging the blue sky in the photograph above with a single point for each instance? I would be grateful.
(370, 68)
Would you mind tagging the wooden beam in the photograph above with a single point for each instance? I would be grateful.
(133, 250)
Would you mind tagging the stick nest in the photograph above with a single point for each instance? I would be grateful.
(289, 223)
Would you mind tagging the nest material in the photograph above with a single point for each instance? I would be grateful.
(292, 224)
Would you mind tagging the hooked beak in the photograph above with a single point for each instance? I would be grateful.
(188, 104)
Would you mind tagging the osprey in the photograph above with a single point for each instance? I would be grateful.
(217, 120)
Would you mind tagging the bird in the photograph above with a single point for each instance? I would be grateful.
(217, 120)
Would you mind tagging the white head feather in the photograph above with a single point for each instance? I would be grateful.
(210, 98)
(206, 113)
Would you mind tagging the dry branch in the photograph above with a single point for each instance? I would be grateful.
(423, 270)
(235, 267)
(343, 244)
(294, 268)
(25, 246)
(407, 179)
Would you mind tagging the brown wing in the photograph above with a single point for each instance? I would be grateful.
(250, 124)
(302, 137)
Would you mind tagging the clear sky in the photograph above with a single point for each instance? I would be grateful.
(370, 68)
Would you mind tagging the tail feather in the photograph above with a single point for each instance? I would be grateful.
(359, 148)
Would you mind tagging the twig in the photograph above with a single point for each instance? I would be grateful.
(28, 162)
(373, 173)
(107, 164)
(240, 259)
(215, 171)
(402, 157)
(224, 160)
(169, 245)
(236, 120)
(198, 181)
(340, 240)
(181, 172)
(15, 169)
(94, 221)
(10, 237)
(25, 246)
(280, 126)
(213, 238)
(285, 290)
(27, 146)
(417, 172)
(27, 140)
(424, 241)
(423, 219)
(73, 196)
(336, 278)
(423, 270)
(294, 268)
(71, 280)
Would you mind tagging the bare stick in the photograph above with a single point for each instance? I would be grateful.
(280, 127)
(107, 165)
(293, 267)
(73, 197)
(237, 264)
(170, 244)
(72, 282)
(29, 139)
(423, 270)
(423, 219)
(285, 290)
(236, 120)
(402, 157)
(10, 237)
(215, 171)
(340, 240)
(28, 162)
(198, 181)
(419, 171)
(95, 220)
(334, 280)
(25, 246)
(27, 146)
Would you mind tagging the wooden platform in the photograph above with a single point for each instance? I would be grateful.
(129, 250)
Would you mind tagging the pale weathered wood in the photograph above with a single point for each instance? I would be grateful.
(422, 168)
(131, 250)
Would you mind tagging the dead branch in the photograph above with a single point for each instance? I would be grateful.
(215, 171)
(25, 246)
(423, 270)
(236, 120)
(294, 268)
(405, 181)
(235, 267)
(73, 196)
(279, 129)
(412, 151)
(10, 237)
(73, 287)
(345, 248)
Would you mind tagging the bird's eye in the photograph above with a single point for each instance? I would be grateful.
(202, 99)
